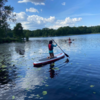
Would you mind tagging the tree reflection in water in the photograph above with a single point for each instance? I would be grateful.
(7, 76)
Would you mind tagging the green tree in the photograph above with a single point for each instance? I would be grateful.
(18, 31)
(1, 33)
(9, 33)
(5, 15)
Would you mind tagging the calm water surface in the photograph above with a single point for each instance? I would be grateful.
(79, 79)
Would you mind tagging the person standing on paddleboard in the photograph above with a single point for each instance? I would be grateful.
(50, 47)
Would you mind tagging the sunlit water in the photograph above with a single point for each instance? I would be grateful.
(79, 79)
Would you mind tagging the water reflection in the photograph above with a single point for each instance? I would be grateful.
(8, 70)
(52, 71)
(4, 76)
(20, 48)
(69, 43)
(55, 70)
(8, 76)
(20, 51)
(67, 60)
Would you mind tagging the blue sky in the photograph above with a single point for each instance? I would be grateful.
(38, 14)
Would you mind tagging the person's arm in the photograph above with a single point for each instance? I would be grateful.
(54, 45)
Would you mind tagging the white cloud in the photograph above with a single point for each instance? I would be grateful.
(33, 22)
(67, 22)
(39, 3)
(64, 3)
(21, 16)
(32, 10)
(36, 2)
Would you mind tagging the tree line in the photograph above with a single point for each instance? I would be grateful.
(45, 32)
(63, 31)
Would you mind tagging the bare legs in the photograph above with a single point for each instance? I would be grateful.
(51, 55)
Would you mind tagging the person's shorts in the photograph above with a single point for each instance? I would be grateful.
(51, 51)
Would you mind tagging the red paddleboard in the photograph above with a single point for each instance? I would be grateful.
(46, 60)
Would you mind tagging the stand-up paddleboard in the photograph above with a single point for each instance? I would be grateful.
(69, 42)
(46, 60)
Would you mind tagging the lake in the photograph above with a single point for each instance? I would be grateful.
(78, 79)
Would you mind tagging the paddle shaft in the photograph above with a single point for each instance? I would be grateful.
(61, 49)
(59, 46)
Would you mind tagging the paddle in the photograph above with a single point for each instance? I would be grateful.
(61, 49)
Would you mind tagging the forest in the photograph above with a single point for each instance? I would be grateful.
(45, 32)
(63, 31)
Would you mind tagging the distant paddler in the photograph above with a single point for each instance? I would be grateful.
(69, 40)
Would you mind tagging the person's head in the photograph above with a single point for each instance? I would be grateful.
(50, 42)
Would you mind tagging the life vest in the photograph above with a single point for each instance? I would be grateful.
(50, 46)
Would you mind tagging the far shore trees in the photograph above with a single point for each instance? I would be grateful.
(64, 31)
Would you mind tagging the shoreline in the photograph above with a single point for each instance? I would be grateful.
(10, 40)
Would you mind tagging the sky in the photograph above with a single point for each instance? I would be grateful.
(53, 14)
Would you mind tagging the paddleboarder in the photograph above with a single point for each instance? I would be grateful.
(50, 47)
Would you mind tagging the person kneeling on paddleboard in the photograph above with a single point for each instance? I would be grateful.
(50, 47)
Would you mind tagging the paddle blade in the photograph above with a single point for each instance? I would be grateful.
(66, 55)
